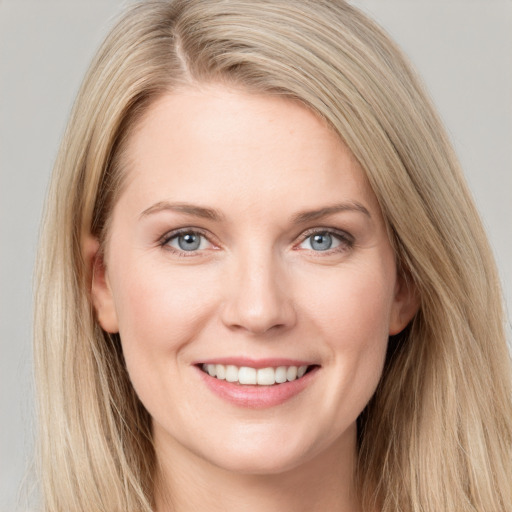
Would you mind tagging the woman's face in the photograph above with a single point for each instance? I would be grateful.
(247, 243)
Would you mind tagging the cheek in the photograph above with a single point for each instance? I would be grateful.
(352, 316)
(159, 312)
(354, 304)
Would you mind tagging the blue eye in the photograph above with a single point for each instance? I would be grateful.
(321, 241)
(324, 241)
(188, 241)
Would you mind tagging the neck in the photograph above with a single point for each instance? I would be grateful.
(187, 483)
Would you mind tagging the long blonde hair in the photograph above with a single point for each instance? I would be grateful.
(437, 435)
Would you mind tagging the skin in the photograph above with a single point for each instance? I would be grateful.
(257, 288)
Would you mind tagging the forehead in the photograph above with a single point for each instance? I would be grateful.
(214, 142)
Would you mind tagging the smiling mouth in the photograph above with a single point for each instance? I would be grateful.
(245, 375)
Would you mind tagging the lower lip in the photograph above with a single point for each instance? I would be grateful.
(257, 397)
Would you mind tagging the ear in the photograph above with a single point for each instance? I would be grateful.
(406, 303)
(101, 293)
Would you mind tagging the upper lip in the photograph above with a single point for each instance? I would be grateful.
(256, 363)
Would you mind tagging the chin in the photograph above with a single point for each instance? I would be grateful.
(259, 466)
(271, 455)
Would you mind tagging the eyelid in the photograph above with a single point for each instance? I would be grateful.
(169, 235)
(344, 235)
(346, 239)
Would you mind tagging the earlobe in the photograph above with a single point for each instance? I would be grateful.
(405, 305)
(100, 291)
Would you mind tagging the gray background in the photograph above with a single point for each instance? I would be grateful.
(462, 48)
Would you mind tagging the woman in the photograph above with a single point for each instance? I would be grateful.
(262, 281)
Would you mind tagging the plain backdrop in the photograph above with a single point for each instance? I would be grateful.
(462, 48)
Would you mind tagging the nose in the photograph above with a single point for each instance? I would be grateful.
(257, 298)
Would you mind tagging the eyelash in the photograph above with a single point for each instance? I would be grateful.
(345, 239)
(168, 237)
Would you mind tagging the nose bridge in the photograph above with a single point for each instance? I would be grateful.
(257, 298)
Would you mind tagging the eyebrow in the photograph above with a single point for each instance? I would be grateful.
(189, 209)
(215, 215)
(310, 215)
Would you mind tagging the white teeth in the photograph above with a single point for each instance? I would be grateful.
(281, 374)
(247, 375)
(251, 376)
(291, 373)
(266, 376)
(220, 371)
(231, 373)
